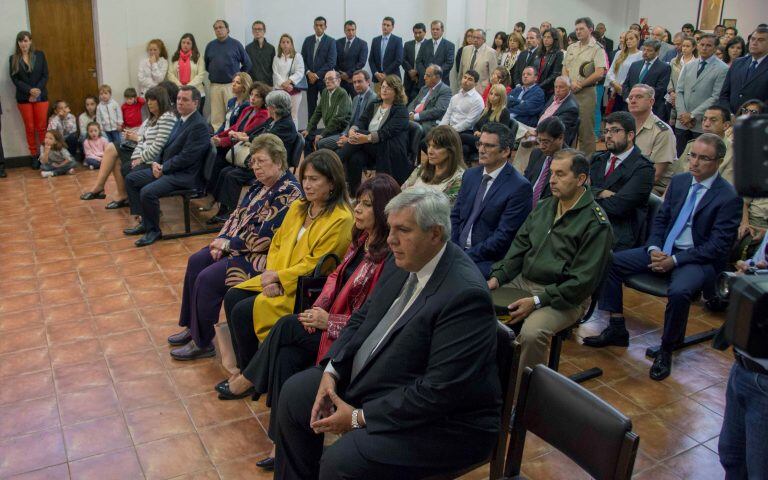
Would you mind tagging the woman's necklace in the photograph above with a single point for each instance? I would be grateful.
(309, 213)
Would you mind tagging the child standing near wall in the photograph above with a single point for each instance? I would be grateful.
(94, 146)
(64, 122)
(109, 115)
(55, 159)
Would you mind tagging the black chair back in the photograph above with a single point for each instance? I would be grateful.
(210, 161)
(572, 136)
(654, 205)
(415, 135)
(294, 156)
(575, 421)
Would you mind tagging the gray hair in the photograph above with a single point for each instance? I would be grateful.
(482, 32)
(654, 44)
(565, 79)
(647, 89)
(430, 208)
(436, 69)
(713, 141)
(280, 101)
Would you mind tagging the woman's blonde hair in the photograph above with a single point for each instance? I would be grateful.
(501, 93)
(247, 82)
(624, 53)
(292, 53)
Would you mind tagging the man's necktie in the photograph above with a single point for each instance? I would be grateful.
(701, 68)
(541, 183)
(751, 70)
(644, 71)
(346, 47)
(682, 219)
(420, 107)
(357, 110)
(387, 321)
(612, 166)
(475, 210)
(472, 62)
(384, 41)
(314, 52)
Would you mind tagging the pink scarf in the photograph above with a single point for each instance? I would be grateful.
(185, 70)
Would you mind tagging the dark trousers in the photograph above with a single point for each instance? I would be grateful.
(313, 91)
(683, 136)
(238, 307)
(218, 165)
(287, 350)
(355, 159)
(144, 192)
(300, 451)
(309, 143)
(231, 181)
(73, 144)
(204, 290)
(468, 144)
(683, 283)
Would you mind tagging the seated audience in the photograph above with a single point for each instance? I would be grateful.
(466, 106)
(178, 168)
(296, 342)
(621, 179)
(88, 116)
(556, 259)
(654, 137)
(188, 67)
(120, 159)
(319, 224)
(364, 96)
(716, 120)
(431, 103)
(493, 201)
(563, 106)
(153, 68)
(287, 72)
(687, 249)
(495, 111)
(550, 136)
(55, 159)
(617, 73)
(94, 146)
(239, 252)
(392, 411)
(526, 101)
(649, 71)
(500, 75)
(241, 87)
(750, 107)
(379, 139)
(748, 76)
(754, 222)
(444, 167)
(550, 61)
(65, 123)
(334, 108)
(233, 177)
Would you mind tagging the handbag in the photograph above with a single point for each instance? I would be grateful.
(302, 85)
(309, 287)
(240, 154)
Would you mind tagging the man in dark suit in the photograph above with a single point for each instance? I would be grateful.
(621, 179)
(437, 51)
(319, 53)
(550, 134)
(563, 106)
(696, 225)
(351, 55)
(526, 101)
(178, 169)
(386, 53)
(650, 71)
(411, 50)
(429, 106)
(527, 58)
(748, 76)
(600, 37)
(494, 200)
(412, 381)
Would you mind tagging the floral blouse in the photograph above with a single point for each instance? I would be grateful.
(450, 186)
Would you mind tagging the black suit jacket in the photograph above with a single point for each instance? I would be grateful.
(409, 63)
(325, 59)
(443, 57)
(737, 90)
(568, 113)
(430, 392)
(657, 77)
(354, 59)
(521, 63)
(532, 171)
(631, 182)
(27, 80)
(187, 148)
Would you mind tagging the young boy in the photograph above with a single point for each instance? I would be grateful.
(65, 123)
(132, 108)
(109, 115)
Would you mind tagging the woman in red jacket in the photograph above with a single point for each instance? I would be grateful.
(296, 341)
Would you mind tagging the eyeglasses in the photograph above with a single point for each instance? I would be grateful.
(703, 158)
(613, 131)
(486, 145)
(258, 163)
(749, 111)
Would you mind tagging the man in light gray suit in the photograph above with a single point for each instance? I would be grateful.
(361, 82)
(431, 103)
(698, 87)
(437, 51)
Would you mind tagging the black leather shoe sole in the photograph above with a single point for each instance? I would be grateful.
(114, 205)
(93, 195)
(608, 339)
(267, 463)
(226, 394)
(660, 369)
(200, 354)
(148, 239)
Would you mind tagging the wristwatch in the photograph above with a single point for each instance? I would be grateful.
(536, 302)
(355, 422)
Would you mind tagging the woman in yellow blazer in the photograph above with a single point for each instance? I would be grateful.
(320, 224)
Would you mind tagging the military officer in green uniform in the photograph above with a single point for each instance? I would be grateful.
(556, 260)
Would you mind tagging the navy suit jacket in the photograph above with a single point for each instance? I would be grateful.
(187, 148)
(325, 59)
(444, 56)
(393, 56)
(568, 112)
(528, 109)
(354, 59)
(736, 90)
(505, 207)
(657, 77)
(715, 221)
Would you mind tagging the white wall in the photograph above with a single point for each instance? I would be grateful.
(13, 20)
(674, 14)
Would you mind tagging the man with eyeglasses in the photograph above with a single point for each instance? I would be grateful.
(716, 120)
(494, 200)
(334, 109)
(688, 244)
(261, 53)
(431, 103)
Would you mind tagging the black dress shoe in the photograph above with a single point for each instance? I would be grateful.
(226, 394)
(137, 230)
(114, 205)
(611, 336)
(191, 351)
(148, 239)
(266, 463)
(2, 172)
(221, 386)
(181, 338)
(93, 195)
(215, 220)
(662, 366)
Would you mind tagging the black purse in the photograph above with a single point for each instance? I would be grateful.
(309, 287)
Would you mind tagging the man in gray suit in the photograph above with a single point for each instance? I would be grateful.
(431, 103)
(437, 51)
(361, 82)
(698, 87)
(658, 34)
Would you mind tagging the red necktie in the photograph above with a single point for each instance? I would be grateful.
(612, 167)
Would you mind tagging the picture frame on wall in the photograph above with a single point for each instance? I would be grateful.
(710, 13)
(729, 22)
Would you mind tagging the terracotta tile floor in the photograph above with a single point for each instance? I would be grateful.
(87, 389)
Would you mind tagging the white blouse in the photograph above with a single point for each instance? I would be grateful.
(286, 68)
(150, 74)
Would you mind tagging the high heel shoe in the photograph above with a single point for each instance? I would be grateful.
(226, 394)
(93, 195)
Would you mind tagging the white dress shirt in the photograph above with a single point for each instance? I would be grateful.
(620, 158)
(463, 110)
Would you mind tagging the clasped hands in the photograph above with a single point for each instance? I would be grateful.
(357, 138)
(661, 262)
(157, 170)
(331, 414)
(687, 120)
(270, 284)
(314, 319)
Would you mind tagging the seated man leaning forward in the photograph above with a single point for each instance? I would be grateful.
(178, 169)
(556, 260)
(412, 381)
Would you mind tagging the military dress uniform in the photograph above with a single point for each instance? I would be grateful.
(581, 61)
(657, 142)
(559, 260)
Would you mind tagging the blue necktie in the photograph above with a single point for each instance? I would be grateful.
(682, 219)
(644, 71)
(384, 41)
(475, 211)
(356, 112)
(751, 70)
(701, 68)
